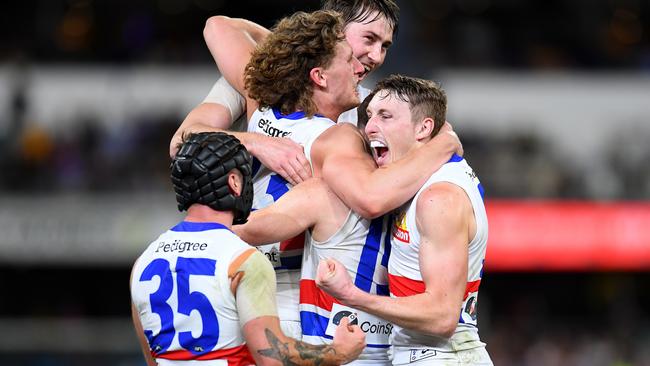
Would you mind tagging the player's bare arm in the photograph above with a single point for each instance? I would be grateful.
(206, 117)
(341, 159)
(311, 205)
(279, 350)
(274, 348)
(282, 156)
(231, 42)
(220, 108)
(253, 283)
(443, 219)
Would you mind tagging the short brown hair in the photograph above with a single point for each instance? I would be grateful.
(425, 98)
(277, 75)
(359, 11)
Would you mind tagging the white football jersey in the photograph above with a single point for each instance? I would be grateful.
(360, 245)
(181, 291)
(268, 186)
(404, 271)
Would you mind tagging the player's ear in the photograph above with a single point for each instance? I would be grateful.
(318, 77)
(425, 128)
(235, 182)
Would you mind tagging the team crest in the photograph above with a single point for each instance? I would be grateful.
(400, 231)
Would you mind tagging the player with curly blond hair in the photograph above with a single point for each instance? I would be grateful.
(289, 54)
(336, 152)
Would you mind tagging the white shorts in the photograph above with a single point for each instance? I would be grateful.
(369, 363)
(431, 357)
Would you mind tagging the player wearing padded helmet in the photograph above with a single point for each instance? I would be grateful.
(200, 294)
(200, 176)
(288, 96)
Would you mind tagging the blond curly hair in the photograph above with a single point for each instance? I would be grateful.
(277, 75)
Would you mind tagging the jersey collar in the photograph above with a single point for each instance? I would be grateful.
(186, 226)
(293, 116)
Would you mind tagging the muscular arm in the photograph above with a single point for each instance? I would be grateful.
(215, 117)
(340, 158)
(443, 214)
(206, 117)
(308, 205)
(231, 42)
(253, 282)
(221, 107)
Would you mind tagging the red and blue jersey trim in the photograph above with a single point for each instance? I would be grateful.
(310, 294)
(402, 286)
(236, 356)
(312, 323)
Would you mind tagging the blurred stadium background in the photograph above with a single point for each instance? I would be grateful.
(551, 100)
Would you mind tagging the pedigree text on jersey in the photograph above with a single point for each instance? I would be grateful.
(265, 125)
(180, 246)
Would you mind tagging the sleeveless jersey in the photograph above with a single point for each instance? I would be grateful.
(181, 291)
(350, 116)
(404, 270)
(360, 245)
(268, 186)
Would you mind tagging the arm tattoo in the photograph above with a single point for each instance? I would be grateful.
(278, 350)
(307, 354)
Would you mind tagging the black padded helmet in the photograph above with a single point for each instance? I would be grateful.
(199, 174)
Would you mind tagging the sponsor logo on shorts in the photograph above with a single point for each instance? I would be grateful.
(419, 354)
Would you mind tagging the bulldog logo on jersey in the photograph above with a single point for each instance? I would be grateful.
(400, 231)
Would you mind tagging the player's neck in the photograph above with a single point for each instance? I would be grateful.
(202, 213)
(326, 106)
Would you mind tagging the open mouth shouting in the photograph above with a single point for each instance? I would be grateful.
(380, 152)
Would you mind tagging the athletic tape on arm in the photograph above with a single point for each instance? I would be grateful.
(223, 93)
(256, 290)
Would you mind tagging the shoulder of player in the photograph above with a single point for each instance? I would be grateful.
(441, 200)
(341, 131)
(225, 242)
(240, 257)
(342, 136)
